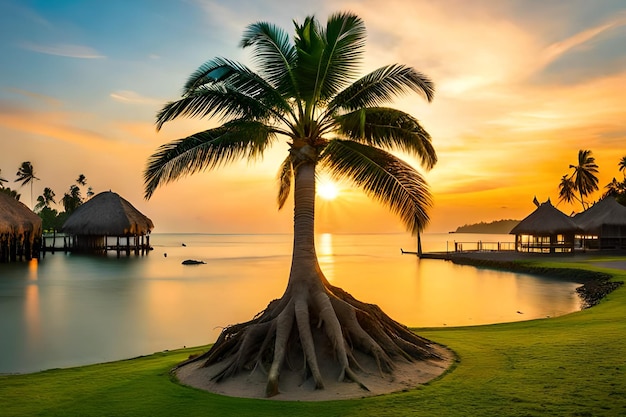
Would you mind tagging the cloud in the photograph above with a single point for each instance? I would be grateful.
(132, 97)
(47, 100)
(55, 125)
(580, 39)
(65, 50)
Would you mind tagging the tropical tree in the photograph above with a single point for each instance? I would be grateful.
(567, 190)
(622, 165)
(305, 90)
(2, 180)
(614, 188)
(72, 199)
(45, 199)
(26, 175)
(584, 176)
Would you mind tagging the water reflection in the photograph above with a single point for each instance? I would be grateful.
(31, 305)
(72, 310)
(325, 255)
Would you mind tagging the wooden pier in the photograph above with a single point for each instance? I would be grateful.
(138, 245)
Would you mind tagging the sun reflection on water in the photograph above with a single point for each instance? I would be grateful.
(31, 303)
(326, 256)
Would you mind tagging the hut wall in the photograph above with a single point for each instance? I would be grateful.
(553, 243)
(612, 237)
(88, 243)
(14, 247)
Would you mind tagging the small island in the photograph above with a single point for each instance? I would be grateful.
(495, 227)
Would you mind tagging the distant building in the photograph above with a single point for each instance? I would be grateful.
(20, 230)
(603, 225)
(546, 230)
(105, 216)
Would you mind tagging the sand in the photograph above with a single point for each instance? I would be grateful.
(407, 376)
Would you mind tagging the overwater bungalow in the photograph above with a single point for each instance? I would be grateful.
(20, 230)
(546, 230)
(104, 217)
(603, 225)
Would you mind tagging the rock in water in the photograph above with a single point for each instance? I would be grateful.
(192, 262)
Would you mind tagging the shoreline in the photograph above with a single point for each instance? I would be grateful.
(595, 285)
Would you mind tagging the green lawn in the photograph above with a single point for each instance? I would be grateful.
(568, 366)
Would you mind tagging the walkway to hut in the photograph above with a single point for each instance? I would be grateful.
(138, 245)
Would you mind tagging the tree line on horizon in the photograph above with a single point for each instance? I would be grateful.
(52, 219)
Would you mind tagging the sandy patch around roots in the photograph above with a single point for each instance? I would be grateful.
(406, 376)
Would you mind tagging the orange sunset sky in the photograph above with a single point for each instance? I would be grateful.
(521, 87)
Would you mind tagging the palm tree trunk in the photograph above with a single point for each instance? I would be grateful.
(419, 244)
(304, 264)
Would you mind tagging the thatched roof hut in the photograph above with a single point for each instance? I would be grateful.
(20, 229)
(604, 223)
(106, 215)
(547, 229)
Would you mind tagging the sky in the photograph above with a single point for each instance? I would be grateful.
(521, 86)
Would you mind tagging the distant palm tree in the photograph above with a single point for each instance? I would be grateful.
(622, 165)
(45, 199)
(567, 190)
(72, 199)
(615, 188)
(2, 180)
(81, 180)
(305, 91)
(584, 175)
(26, 175)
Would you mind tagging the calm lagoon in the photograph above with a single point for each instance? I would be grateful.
(68, 310)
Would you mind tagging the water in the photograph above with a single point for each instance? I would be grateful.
(69, 310)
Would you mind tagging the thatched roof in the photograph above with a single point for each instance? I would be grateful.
(16, 218)
(605, 212)
(107, 214)
(545, 220)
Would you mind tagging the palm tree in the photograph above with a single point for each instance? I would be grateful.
(72, 199)
(26, 175)
(567, 190)
(305, 90)
(2, 180)
(614, 188)
(45, 199)
(622, 165)
(81, 180)
(584, 176)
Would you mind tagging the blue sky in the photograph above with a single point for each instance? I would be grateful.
(521, 87)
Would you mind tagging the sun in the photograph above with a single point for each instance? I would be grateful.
(327, 190)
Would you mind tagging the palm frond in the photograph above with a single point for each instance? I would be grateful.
(274, 53)
(225, 88)
(216, 70)
(389, 129)
(285, 177)
(328, 57)
(215, 101)
(381, 86)
(206, 150)
(345, 37)
(383, 177)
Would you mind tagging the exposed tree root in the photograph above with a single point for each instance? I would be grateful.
(294, 330)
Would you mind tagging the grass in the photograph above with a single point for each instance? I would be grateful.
(573, 365)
